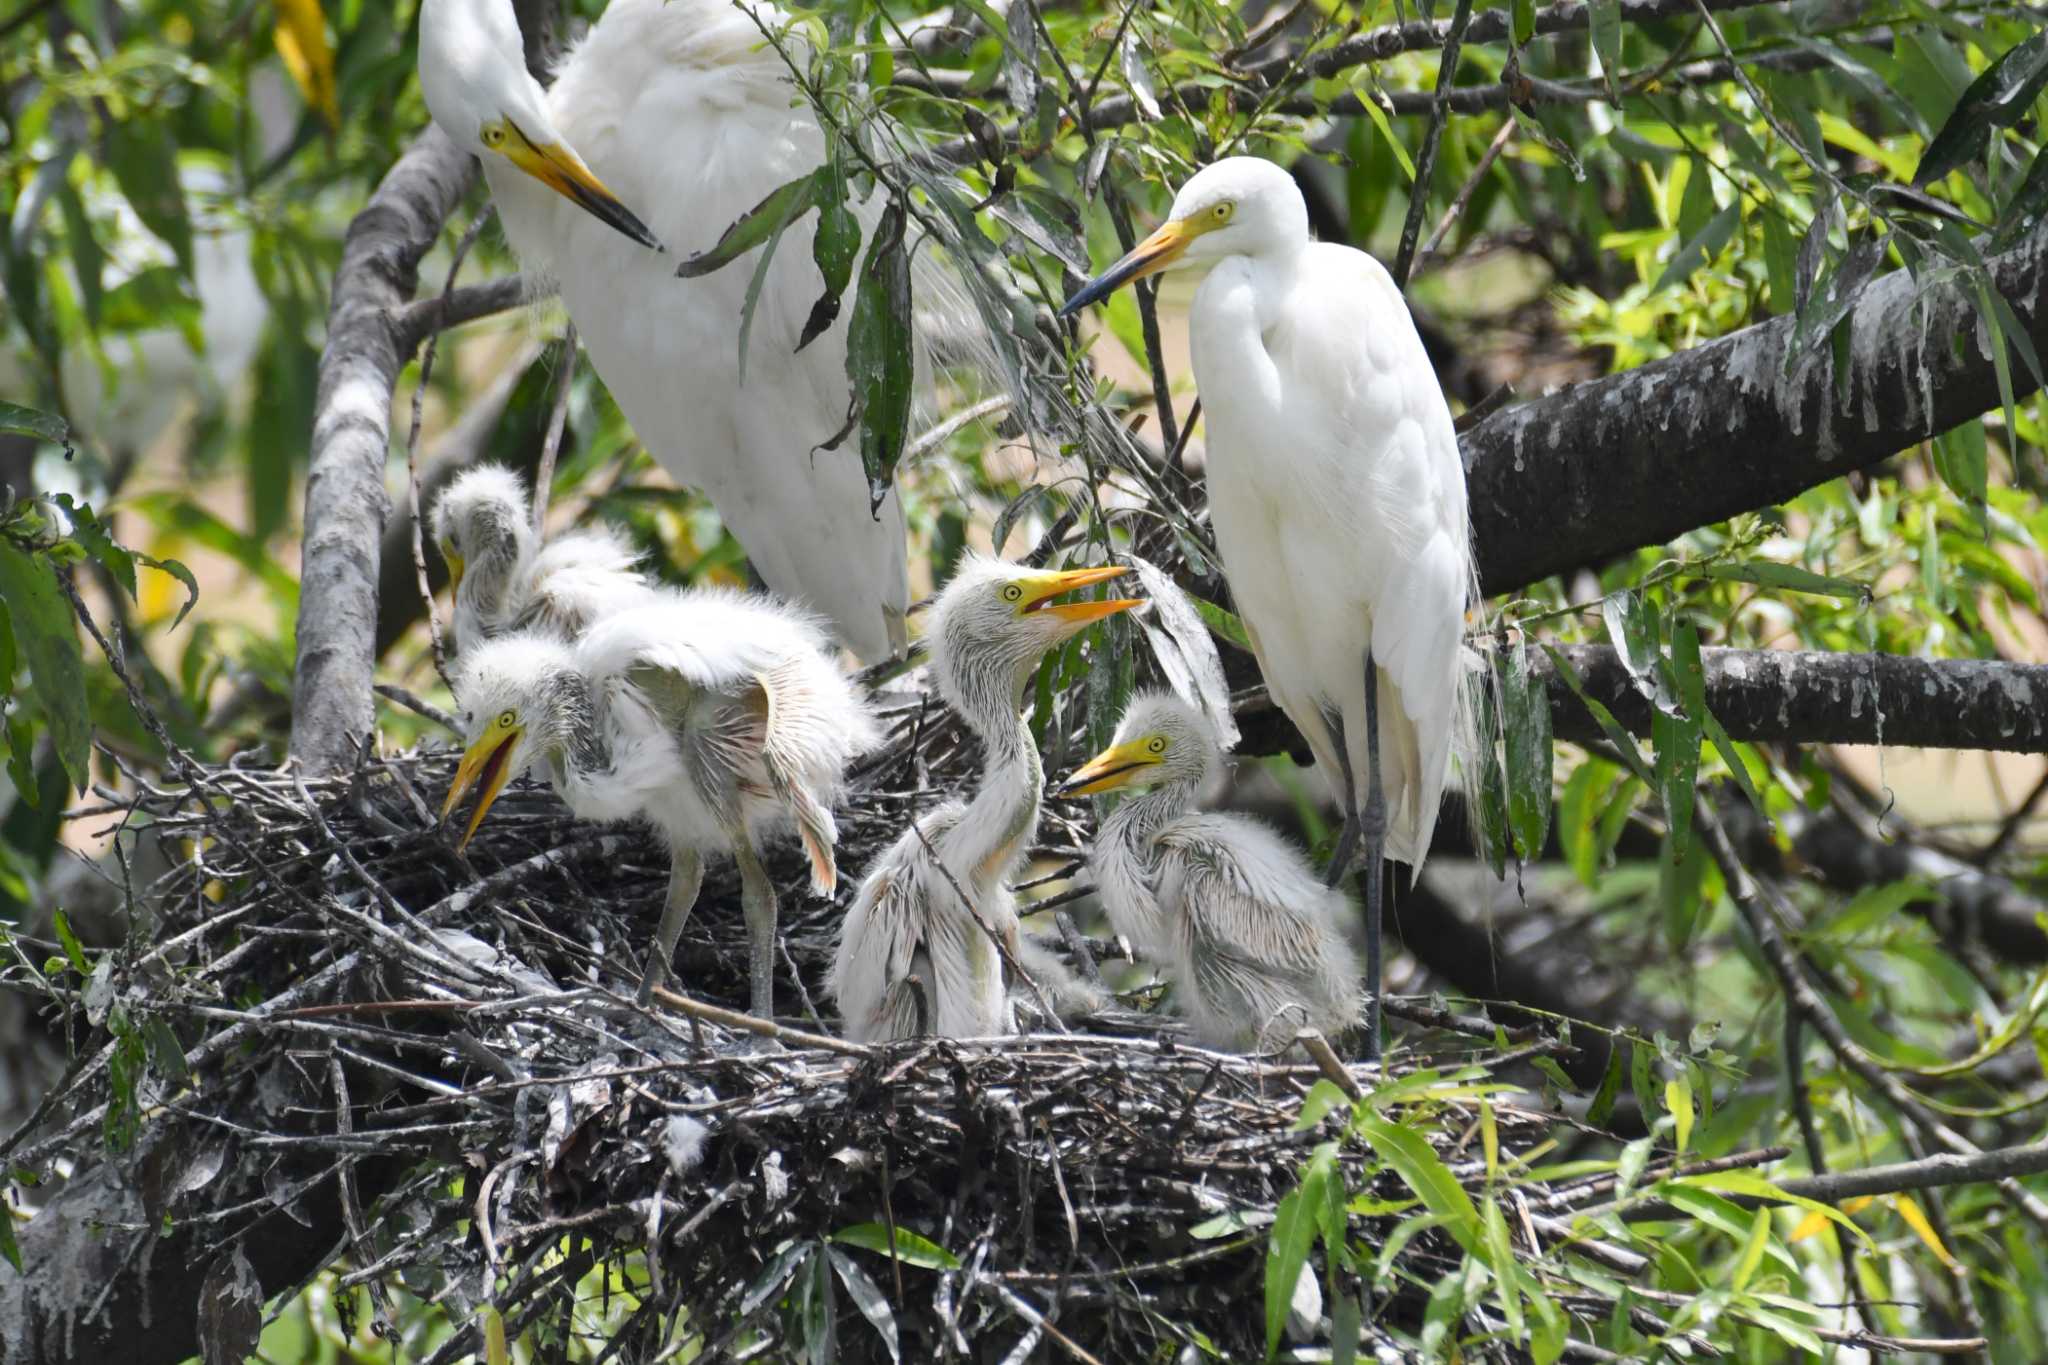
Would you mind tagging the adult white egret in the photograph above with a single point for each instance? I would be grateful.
(1247, 934)
(1338, 500)
(504, 579)
(912, 958)
(714, 716)
(684, 111)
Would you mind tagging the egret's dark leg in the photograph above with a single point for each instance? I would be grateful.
(1372, 825)
(757, 898)
(1347, 840)
(685, 879)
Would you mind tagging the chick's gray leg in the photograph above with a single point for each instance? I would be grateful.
(1372, 824)
(685, 879)
(757, 898)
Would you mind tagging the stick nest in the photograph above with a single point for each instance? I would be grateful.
(323, 996)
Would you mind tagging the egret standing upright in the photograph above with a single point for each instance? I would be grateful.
(912, 958)
(687, 114)
(1337, 497)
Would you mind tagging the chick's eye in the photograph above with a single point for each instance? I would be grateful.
(1013, 593)
(1158, 745)
(507, 719)
(494, 134)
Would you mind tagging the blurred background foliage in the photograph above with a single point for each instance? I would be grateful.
(177, 177)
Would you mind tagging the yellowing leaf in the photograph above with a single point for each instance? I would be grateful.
(1916, 1219)
(1817, 1219)
(495, 1350)
(302, 43)
(1678, 1099)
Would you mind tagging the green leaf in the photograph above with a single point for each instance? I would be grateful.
(911, 1249)
(48, 638)
(1224, 625)
(9, 1248)
(1621, 739)
(766, 219)
(1780, 257)
(1874, 906)
(1294, 1232)
(1500, 1256)
(92, 534)
(1632, 630)
(144, 159)
(88, 262)
(1417, 1163)
(868, 1297)
(1368, 97)
(834, 248)
(1753, 1251)
(1602, 1107)
(1789, 578)
(2028, 204)
(1701, 249)
(1524, 21)
(178, 571)
(17, 420)
(1526, 706)
(1678, 1100)
(879, 353)
(1997, 99)
(74, 951)
(1606, 23)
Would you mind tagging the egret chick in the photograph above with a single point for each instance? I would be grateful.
(717, 717)
(912, 958)
(1338, 501)
(504, 579)
(691, 116)
(1247, 934)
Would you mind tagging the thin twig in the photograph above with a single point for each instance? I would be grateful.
(1465, 191)
(1425, 163)
(558, 420)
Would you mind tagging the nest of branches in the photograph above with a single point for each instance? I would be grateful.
(324, 996)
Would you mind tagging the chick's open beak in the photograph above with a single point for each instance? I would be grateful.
(1112, 768)
(558, 167)
(1039, 592)
(1148, 257)
(486, 765)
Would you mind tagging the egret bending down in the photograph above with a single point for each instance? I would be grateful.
(685, 111)
(504, 579)
(912, 958)
(1247, 934)
(1337, 497)
(714, 716)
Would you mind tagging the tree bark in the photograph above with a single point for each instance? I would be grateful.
(346, 502)
(1634, 459)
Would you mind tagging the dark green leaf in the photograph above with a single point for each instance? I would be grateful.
(1702, 247)
(92, 534)
(179, 572)
(834, 247)
(1417, 1163)
(1997, 99)
(793, 209)
(144, 159)
(868, 1297)
(152, 299)
(1524, 21)
(21, 758)
(47, 637)
(1835, 291)
(1680, 873)
(1526, 707)
(9, 1248)
(1960, 459)
(1602, 1107)
(1606, 20)
(1769, 574)
(755, 226)
(74, 951)
(1676, 742)
(1294, 1232)
(87, 260)
(879, 353)
(43, 426)
(1780, 258)
(1639, 1081)
(1632, 630)
(2028, 205)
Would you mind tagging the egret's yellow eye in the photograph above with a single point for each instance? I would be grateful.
(1013, 593)
(1221, 213)
(1158, 744)
(507, 719)
(494, 135)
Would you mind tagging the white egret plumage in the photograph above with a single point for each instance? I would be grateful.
(1337, 497)
(1247, 934)
(912, 958)
(503, 578)
(716, 717)
(682, 109)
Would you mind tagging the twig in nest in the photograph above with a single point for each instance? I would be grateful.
(766, 1028)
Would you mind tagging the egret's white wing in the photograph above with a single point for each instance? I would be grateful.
(683, 111)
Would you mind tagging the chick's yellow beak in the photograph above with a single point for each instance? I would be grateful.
(486, 765)
(454, 562)
(1148, 257)
(1114, 767)
(1040, 590)
(557, 166)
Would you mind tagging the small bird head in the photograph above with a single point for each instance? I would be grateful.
(521, 698)
(1161, 741)
(996, 620)
(482, 518)
(1240, 206)
(473, 72)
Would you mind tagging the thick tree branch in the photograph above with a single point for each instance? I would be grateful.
(1821, 698)
(346, 501)
(1639, 457)
(1928, 1173)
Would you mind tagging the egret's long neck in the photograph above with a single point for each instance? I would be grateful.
(488, 583)
(1002, 819)
(587, 755)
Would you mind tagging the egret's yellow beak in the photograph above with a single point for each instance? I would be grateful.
(1148, 257)
(557, 166)
(488, 766)
(1042, 588)
(454, 562)
(1115, 767)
